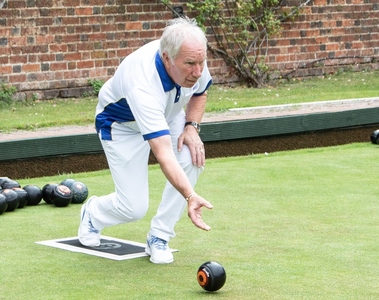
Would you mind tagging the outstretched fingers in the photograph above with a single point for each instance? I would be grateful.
(195, 205)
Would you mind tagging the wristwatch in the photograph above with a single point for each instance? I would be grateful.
(194, 124)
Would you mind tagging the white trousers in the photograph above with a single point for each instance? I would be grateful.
(127, 155)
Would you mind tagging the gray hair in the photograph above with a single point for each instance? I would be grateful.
(177, 32)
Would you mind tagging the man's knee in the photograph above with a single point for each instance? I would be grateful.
(133, 210)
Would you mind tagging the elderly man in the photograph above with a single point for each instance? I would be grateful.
(155, 101)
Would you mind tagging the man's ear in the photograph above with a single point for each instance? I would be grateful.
(165, 57)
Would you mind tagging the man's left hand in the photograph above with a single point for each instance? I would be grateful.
(191, 138)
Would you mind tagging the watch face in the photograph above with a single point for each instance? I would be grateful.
(197, 126)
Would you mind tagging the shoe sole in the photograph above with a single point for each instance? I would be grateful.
(148, 252)
(161, 262)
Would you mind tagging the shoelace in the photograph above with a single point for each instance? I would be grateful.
(158, 243)
(91, 228)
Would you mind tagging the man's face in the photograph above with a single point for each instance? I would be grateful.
(188, 65)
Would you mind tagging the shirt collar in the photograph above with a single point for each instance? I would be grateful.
(167, 82)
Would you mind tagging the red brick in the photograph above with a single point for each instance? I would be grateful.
(98, 37)
(70, 20)
(110, 10)
(331, 47)
(83, 11)
(293, 49)
(87, 64)
(16, 4)
(46, 57)
(95, 20)
(5, 69)
(96, 73)
(44, 21)
(319, 2)
(132, 8)
(123, 52)
(17, 40)
(73, 56)
(72, 74)
(31, 68)
(73, 38)
(83, 29)
(282, 43)
(99, 64)
(111, 62)
(321, 40)
(152, 34)
(54, 48)
(29, 13)
(133, 26)
(357, 45)
(58, 12)
(10, 14)
(281, 58)
(58, 66)
(109, 27)
(4, 60)
(18, 59)
(44, 39)
(273, 51)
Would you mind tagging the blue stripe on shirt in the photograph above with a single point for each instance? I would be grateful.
(113, 112)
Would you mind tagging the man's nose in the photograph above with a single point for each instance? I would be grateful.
(197, 70)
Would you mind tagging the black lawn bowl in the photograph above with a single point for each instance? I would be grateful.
(34, 194)
(211, 276)
(3, 204)
(22, 197)
(9, 184)
(375, 137)
(11, 198)
(47, 191)
(61, 196)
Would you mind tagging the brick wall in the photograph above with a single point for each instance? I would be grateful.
(53, 47)
(328, 35)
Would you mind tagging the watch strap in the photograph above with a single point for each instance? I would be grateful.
(194, 124)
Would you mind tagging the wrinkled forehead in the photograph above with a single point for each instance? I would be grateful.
(195, 50)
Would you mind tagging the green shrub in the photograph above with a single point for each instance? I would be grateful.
(6, 95)
(96, 85)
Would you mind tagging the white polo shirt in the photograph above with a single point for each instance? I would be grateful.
(141, 91)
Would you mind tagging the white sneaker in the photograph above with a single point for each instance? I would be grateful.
(158, 250)
(88, 235)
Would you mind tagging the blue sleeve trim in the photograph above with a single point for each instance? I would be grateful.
(208, 85)
(156, 134)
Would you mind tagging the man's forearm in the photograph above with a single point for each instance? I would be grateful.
(195, 108)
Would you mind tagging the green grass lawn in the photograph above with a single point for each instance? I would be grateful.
(348, 85)
(30, 114)
(288, 225)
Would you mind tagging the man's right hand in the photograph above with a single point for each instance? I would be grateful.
(195, 204)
